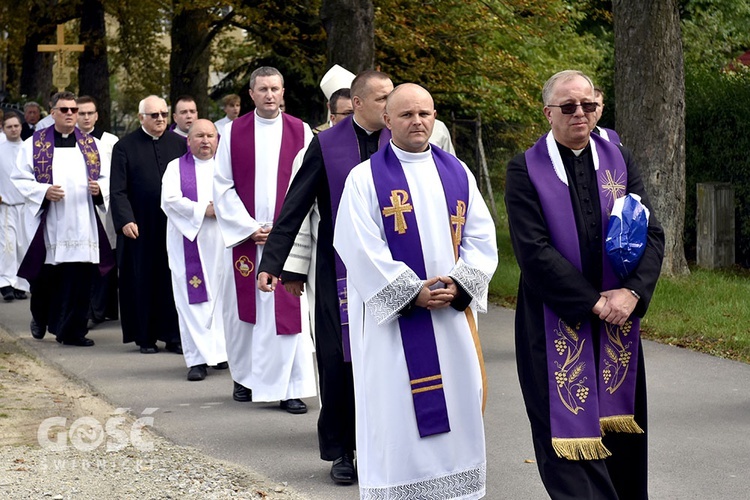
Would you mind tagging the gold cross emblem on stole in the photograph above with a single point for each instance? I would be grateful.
(399, 205)
(195, 281)
(458, 222)
(344, 299)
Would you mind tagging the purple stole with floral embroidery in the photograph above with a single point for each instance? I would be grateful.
(43, 153)
(195, 280)
(340, 148)
(405, 244)
(583, 403)
(287, 306)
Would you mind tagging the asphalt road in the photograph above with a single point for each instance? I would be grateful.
(699, 414)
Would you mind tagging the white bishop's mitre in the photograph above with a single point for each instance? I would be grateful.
(336, 78)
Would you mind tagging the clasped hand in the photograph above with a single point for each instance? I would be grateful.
(615, 306)
(437, 297)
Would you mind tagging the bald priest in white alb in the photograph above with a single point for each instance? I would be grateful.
(268, 342)
(419, 246)
(196, 251)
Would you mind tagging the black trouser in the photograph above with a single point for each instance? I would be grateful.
(60, 298)
(104, 303)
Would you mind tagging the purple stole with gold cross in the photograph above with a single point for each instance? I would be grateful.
(43, 153)
(195, 280)
(340, 149)
(583, 402)
(404, 241)
(244, 255)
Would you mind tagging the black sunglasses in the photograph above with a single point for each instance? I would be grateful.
(156, 115)
(64, 110)
(570, 108)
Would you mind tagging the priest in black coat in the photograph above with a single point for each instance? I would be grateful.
(336, 433)
(563, 173)
(147, 308)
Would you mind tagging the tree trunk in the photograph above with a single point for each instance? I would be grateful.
(93, 69)
(351, 33)
(191, 57)
(36, 71)
(650, 101)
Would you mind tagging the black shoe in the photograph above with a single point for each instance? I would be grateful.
(37, 331)
(221, 366)
(342, 470)
(19, 294)
(174, 347)
(7, 292)
(295, 406)
(80, 342)
(242, 393)
(149, 349)
(196, 373)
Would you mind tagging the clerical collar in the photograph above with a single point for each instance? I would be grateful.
(64, 140)
(267, 121)
(156, 138)
(408, 156)
(566, 151)
(369, 132)
(179, 132)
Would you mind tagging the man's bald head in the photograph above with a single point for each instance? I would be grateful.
(203, 139)
(410, 115)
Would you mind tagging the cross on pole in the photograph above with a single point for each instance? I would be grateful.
(60, 74)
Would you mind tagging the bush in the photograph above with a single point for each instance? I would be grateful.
(717, 147)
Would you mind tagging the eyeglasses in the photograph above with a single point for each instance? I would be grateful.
(64, 110)
(86, 114)
(156, 116)
(570, 108)
(346, 113)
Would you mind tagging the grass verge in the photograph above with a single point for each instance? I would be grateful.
(707, 311)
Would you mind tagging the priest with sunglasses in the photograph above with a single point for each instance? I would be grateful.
(63, 174)
(139, 160)
(579, 356)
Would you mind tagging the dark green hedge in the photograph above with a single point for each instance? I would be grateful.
(717, 123)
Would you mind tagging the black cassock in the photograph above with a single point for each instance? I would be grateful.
(147, 310)
(547, 277)
(336, 433)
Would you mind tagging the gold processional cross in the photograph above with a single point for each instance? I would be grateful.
(60, 73)
(399, 205)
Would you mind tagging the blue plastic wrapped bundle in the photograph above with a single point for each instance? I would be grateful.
(626, 235)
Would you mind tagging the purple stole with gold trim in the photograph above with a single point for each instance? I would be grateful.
(583, 403)
(417, 332)
(195, 280)
(43, 153)
(340, 148)
(287, 306)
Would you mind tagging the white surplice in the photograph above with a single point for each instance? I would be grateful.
(71, 234)
(13, 239)
(201, 324)
(393, 461)
(275, 367)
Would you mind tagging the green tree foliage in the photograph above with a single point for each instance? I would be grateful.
(717, 142)
(491, 56)
(714, 32)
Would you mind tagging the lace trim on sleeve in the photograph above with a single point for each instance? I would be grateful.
(474, 281)
(386, 304)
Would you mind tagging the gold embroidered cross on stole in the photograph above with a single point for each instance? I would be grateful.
(458, 221)
(195, 281)
(399, 205)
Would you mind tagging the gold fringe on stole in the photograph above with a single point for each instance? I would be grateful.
(620, 423)
(480, 356)
(580, 448)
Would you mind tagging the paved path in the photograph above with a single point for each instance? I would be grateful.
(699, 410)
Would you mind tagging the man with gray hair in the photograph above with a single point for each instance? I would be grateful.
(147, 308)
(579, 356)
(32, 113)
